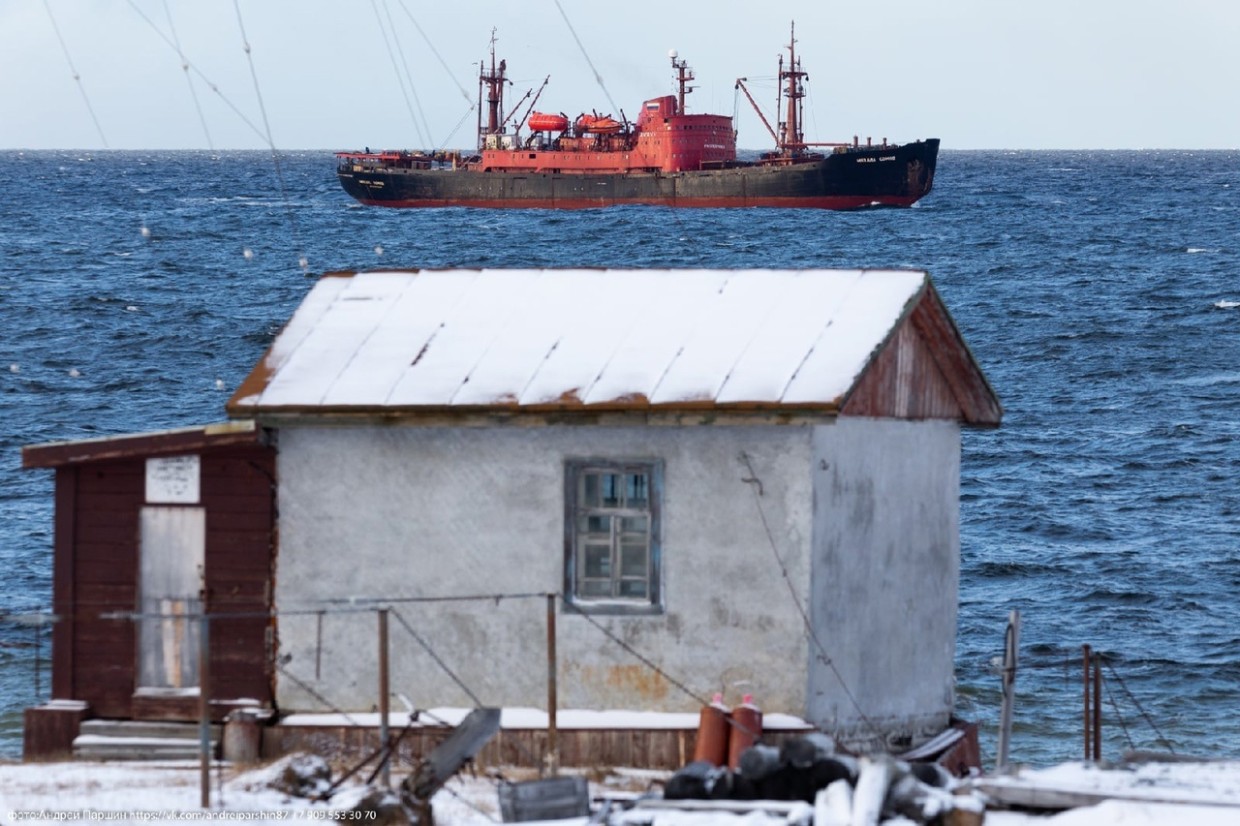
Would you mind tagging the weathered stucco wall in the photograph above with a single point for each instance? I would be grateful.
(403, 511)
(886, 549)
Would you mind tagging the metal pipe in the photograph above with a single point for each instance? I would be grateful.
(1011, 645)
(384, 695)
(1088, 718)
(553, 746)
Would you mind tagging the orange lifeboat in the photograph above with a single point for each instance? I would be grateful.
(543, 122)
(599, 124)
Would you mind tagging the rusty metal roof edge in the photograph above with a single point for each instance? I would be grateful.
(545, 415)
(218, 434)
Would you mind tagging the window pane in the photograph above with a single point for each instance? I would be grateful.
(594, 524)
(633, 588)
(589, 490)
(596, 588)
(633, 524)
(611, 490)
(597, 561)
(637, 490)
(633, 560)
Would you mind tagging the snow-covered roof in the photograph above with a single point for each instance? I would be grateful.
(548, 340)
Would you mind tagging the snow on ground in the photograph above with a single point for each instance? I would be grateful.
(169, 793)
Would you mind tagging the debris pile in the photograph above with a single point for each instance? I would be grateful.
(841, 788)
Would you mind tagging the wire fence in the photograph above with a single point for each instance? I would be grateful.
(419, 656)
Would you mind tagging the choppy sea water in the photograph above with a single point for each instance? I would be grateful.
(1100, 291)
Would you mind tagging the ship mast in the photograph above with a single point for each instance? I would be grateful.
(493, 81)
(793, 140)
(684, 75)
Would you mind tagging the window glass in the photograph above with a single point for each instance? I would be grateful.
(633, 588)
(612, 544)
(611, 490)
(636, 490)
(597, 561)
(633, 559)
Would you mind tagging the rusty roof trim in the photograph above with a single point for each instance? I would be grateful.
(156, 443)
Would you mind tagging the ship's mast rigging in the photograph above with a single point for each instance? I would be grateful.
(792, 139)
(493, 81)
(683, 75)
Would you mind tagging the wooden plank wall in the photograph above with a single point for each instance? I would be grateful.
(662, 749)
(96, 573)
(103, 577)
(238, 491)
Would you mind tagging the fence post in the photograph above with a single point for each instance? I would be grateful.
(1097, 707)
(204, 708)
(384, 695)
(553, 746)
(1011, 645)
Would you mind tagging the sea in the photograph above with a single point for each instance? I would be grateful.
(1099, 291)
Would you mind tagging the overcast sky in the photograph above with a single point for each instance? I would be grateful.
(979, 74)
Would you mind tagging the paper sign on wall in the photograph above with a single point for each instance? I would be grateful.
(172, 480)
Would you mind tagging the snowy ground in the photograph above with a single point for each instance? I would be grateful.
(168, 793)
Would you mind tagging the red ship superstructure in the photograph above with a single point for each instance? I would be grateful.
(664, 138)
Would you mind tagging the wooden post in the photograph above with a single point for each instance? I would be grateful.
(1011, 645)
(384, 695)
(553, 746)
(1088, 717)
(204, 709)
(1097, 707)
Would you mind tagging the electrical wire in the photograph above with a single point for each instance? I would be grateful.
(212, 86)
(384, 32)
(597, 77)
(823, 656)
(438, 660)
(188, 78)
(1161, 738)
(275, 156)
(77, 78)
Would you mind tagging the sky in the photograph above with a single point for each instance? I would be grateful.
(978, 74)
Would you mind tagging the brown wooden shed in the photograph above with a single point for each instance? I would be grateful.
(150, 530)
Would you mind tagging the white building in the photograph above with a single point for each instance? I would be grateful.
(749, 478)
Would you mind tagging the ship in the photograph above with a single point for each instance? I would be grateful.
(667, 157)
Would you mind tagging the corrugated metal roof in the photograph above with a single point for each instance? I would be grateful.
(605, 339)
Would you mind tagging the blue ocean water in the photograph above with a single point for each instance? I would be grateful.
(1100, 291)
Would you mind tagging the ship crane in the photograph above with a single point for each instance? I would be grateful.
(789, 140)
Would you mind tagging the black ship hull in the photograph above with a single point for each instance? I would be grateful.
(854, 178)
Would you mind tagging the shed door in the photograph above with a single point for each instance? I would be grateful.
(171, 560)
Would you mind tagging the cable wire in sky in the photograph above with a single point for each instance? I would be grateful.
(76, 76)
